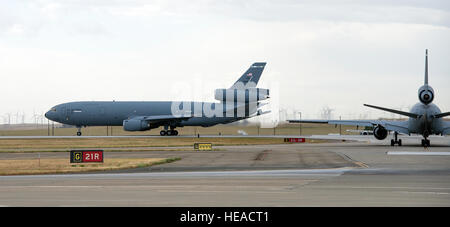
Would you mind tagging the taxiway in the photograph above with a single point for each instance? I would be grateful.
(322, 174)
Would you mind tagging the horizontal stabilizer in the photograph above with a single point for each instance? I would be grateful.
(442, 115)
(261, 104)
(260, 112)
(412, 115)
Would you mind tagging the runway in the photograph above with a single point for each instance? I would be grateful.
(323, 174)
(426, 153)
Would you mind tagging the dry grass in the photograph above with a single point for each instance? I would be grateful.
(286, 129)
(72, 143)
(52, 166)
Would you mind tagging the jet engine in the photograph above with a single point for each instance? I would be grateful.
(380, 132)
(426, 94)
(241, 95)
(135, 125)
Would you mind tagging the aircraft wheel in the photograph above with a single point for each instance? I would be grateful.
(426, 143)
(392, 142)
(175, 132)
(400, 142)
(162, 133)
(170, 133)
(78, 133)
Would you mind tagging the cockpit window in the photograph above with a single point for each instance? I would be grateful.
(53, 109)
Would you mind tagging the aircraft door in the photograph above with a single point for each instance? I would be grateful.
(103, 117)
(66, 111)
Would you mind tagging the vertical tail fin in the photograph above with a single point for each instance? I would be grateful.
(251, 77)
(426, 93)
(426, 66)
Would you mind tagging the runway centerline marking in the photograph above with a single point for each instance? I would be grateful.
(428, 193)
(381, 187)
(249, 173)
(424, 153)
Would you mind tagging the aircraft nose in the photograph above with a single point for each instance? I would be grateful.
(49, 115)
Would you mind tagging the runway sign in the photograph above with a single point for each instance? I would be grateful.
(294, 140)
(81, 156)
(203, 146)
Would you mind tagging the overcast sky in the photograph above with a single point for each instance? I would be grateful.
(339, 54)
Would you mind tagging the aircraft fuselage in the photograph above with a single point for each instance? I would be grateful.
(426, 124)
(113, 113)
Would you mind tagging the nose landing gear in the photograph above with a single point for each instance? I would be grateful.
(425, 142)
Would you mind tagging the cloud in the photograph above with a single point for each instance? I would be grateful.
(320, 52)
(416, 12)
(435, 12)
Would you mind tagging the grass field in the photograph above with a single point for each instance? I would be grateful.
(286, 129)
(64, 144)
(53, 166)
(10, 145)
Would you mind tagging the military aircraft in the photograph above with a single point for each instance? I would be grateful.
(240, 101)
(425, 118)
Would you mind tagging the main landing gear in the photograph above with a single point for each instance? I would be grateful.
(166, 132)
(425, 142)
(395, 140)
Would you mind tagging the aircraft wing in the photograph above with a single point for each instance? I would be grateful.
(161, 118)
(446, 130)
(398, 126)
(336, 122)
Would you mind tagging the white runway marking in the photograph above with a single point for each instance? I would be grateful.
(427, 193)
(250, 173)
(417, 153)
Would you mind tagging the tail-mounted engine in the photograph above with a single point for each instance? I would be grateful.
(380, 132)
(426, 94)
(241, 95)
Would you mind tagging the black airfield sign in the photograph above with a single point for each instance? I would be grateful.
(82, 156)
